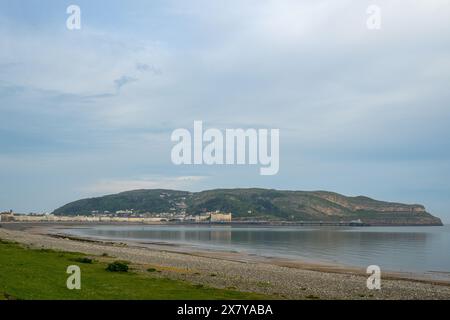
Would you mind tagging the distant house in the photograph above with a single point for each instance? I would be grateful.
(7, 216)
(356, 222)
(220, 217)
(127, 211)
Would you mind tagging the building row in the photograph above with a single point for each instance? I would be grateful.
(210, 216)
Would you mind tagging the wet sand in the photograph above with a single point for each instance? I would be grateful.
(282, 278)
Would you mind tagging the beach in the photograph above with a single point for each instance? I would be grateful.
(277, 277)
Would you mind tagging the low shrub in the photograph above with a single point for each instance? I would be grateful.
(117, 266)
(83, 260)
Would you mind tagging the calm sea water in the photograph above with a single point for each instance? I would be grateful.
(424, 250)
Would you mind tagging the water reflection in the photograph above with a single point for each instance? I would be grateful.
(414, 249)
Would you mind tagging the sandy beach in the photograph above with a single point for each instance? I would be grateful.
(282, 278)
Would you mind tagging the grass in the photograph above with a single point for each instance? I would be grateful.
(41, 274)
(264, 284)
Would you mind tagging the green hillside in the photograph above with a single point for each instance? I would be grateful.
(257, 204)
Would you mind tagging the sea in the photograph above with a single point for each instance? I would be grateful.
(418, 250)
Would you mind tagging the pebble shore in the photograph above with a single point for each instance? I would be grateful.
(278, 278)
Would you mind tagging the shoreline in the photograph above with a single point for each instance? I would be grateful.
(235, 223)
(286, 278)
(286, 260)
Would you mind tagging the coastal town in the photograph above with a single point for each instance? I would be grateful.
(125, 216)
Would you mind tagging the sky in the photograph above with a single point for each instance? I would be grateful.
(90, 112)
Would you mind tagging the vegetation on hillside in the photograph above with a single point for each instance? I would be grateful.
(256, 203)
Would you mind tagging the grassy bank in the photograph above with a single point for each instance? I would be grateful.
(41, 274)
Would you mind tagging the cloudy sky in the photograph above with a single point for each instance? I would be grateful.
(89, 112)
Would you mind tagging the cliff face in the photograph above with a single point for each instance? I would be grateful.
(365, 203)
(254, 204)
